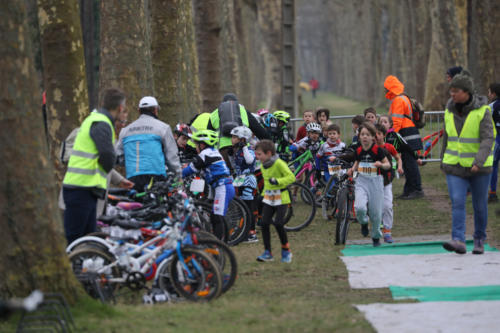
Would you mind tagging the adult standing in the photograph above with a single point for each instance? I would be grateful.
(147, 147)
(467, 159)
(494, 94)
(314, 86)
(91, 160)
(229, 115)
(401, 113)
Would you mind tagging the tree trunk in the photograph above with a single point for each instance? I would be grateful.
(63, 71)
(125, 60)
(31, 241)
(175, 62)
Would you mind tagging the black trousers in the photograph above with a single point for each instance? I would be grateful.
(141, 181)
(413, 181)
(80, 213)
(267, 219)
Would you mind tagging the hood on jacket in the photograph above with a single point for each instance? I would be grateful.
(394, 86)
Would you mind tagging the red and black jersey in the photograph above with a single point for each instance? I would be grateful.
(390, 151)
(371, 155)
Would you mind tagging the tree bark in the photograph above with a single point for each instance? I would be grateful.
(125, 60)
(31, 241)
(175, 61)
(63, 71)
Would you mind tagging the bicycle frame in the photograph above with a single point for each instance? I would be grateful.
(305, 165)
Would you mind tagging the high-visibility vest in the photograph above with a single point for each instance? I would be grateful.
(462, 149)
(225, 141)
(200, 123)
(83, 166)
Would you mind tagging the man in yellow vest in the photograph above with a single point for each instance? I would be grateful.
(467, 159)
(91, 160)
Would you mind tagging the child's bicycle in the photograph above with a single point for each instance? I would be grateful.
(336, 169)
(303, 166)
(344, 207)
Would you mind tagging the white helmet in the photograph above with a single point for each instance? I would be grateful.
(313, 127)
(242, 132)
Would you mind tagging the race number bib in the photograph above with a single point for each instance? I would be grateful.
(239, 180)
(197, 185)
(272, 197)
(334, 169)
(367, 169)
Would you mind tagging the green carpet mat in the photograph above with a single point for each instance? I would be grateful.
(403, 249)
(440, 294)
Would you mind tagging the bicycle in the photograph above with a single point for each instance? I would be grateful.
(345, 207)
(336, 169)
(307, 168)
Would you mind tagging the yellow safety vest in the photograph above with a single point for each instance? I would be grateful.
(83, 166)
(225, 141)
(462, 149)
(200, 123)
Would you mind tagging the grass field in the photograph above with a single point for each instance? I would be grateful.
(309, 295)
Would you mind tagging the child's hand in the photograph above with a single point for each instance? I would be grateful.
(273, 181)
(420, 162)
(377, 164)
(350, 172)
(400, 171)
(332, 158)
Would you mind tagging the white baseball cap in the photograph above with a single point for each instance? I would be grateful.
(148, 101)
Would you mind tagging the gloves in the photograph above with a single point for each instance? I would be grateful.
(273, 181)
(242, 144)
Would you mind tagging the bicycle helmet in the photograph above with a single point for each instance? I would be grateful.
(282, 115)
(262, 112)
(242, 132)
(270, 120)
(313, 127)
(206, 136)
(182, 129)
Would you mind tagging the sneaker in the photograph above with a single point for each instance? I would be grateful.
(364, 230)
(252, 238)
(266, 256)
(376, 242)
(455, 246)
(413, 195)
(478, 246)
(286, 256)
(388, 237)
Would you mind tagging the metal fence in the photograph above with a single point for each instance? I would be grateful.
(434, 123)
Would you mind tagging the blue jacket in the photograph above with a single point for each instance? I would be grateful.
(148, 147)
(211, 162)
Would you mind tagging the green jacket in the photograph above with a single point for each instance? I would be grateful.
(279, 170)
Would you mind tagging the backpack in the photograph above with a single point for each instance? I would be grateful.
(67, 146)
(229, 117)
(417, 112)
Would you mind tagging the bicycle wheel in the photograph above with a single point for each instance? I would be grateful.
(343, 220)
(85, 263)
(329, 200)
(224, 256)
(300, 212)
(238, 219)
(197, 277)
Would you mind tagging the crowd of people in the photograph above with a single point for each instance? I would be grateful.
(232, 145)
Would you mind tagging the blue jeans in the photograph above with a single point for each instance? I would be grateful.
(457, 189)
(496, 159)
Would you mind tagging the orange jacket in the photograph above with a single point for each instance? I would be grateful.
(400, 108)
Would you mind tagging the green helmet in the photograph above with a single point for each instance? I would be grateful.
(206, 136)
(282, 115)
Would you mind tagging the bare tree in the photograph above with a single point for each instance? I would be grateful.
(31, 241)
(63, 72)
(125, 60)
(175, 62)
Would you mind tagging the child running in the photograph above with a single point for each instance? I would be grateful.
(329, 149)
(277, 176)
(244, 166)
(369, 183)
(387, 213)
(217, 175)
